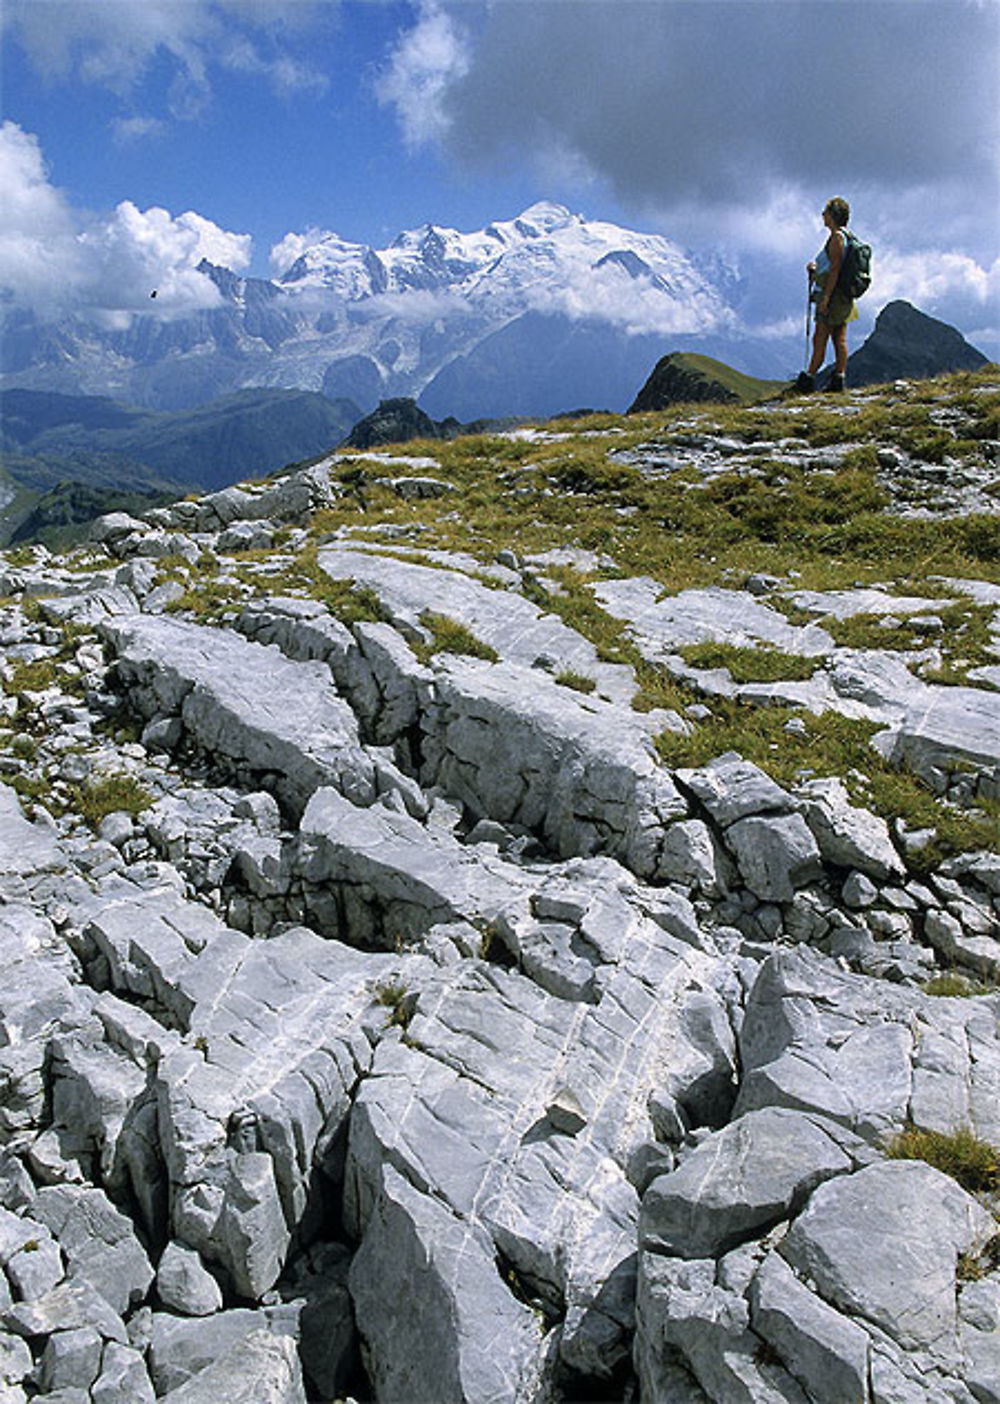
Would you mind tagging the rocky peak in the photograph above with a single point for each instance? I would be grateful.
(676, 379)
(906, 342)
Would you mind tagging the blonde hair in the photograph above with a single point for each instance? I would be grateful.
(840, 210)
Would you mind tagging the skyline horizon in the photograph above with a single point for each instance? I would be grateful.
(138, 140)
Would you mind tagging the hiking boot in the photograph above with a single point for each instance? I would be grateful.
(836, 385)
(805, 383)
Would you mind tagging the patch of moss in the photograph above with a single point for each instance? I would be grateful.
(393, 996)
(102, 795)
(953, 985)
(207, 601)
(36, 676)
(831, 744)
(965, 638)
(350, 602)
(579, 682)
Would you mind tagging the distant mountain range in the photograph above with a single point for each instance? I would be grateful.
(526, 316)
(111, 452)
(66, 458)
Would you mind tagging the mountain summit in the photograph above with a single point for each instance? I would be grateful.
(545, 260)
(907, 343)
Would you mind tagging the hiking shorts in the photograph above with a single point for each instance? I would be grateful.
(842, 310)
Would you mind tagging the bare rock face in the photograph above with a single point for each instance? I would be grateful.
(403, 1029)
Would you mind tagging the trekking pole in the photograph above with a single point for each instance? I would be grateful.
(809, 289)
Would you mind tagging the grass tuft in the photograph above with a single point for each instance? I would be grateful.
(451, 636)
(953, 985)
(751, 665)
(974, 1163)
(393, 996)
(95, 799)
(579, 682)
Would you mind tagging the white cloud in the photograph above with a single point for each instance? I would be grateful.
(426, 62)
(214, 243)
(293, 246)
(125, 131)
(635, 306)
(136, 251)
(52, 259)
(932, 278)
(114, 43)
(287, 75)
(726, 126)
(38, 251)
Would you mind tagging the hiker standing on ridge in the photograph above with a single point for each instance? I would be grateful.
(834, 307)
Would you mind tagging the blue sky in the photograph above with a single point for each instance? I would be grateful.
(159, 130)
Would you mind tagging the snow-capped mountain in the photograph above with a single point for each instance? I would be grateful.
(438, 312)
(546, 255)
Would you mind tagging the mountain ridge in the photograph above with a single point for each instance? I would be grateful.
(404, 312)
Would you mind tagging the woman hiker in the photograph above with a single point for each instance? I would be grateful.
(834, 307)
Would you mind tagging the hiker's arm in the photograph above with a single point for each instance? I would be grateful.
(835, 248)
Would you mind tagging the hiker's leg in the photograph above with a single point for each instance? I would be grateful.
(839, 335)
(820, 337)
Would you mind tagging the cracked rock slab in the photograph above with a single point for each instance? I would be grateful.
(515, 628)
(247, 705)
(436, 1319)
(756, 1171)
(869, 1055)
(512, 745)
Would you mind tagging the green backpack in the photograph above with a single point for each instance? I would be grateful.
(856, 272)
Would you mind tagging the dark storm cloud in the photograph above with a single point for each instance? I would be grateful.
(709, 101)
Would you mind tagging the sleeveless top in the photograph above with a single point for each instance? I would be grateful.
(823, 268)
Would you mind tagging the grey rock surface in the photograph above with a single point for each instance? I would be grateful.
(826, 1350)
(756, 1171)
(847, 835)
(775, 853)
(512, 744)
(517, 629)
(253, 710)
(855, 1241)
(868, 1055)
(262, 1369)
(425, 1034)
(98, 1242)
(25, 847)
(184, 1284)
(123, 1378)
(435, 1318)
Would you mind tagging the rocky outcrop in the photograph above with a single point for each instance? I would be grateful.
(394, 422)
(409, 1031)
(907, 343)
